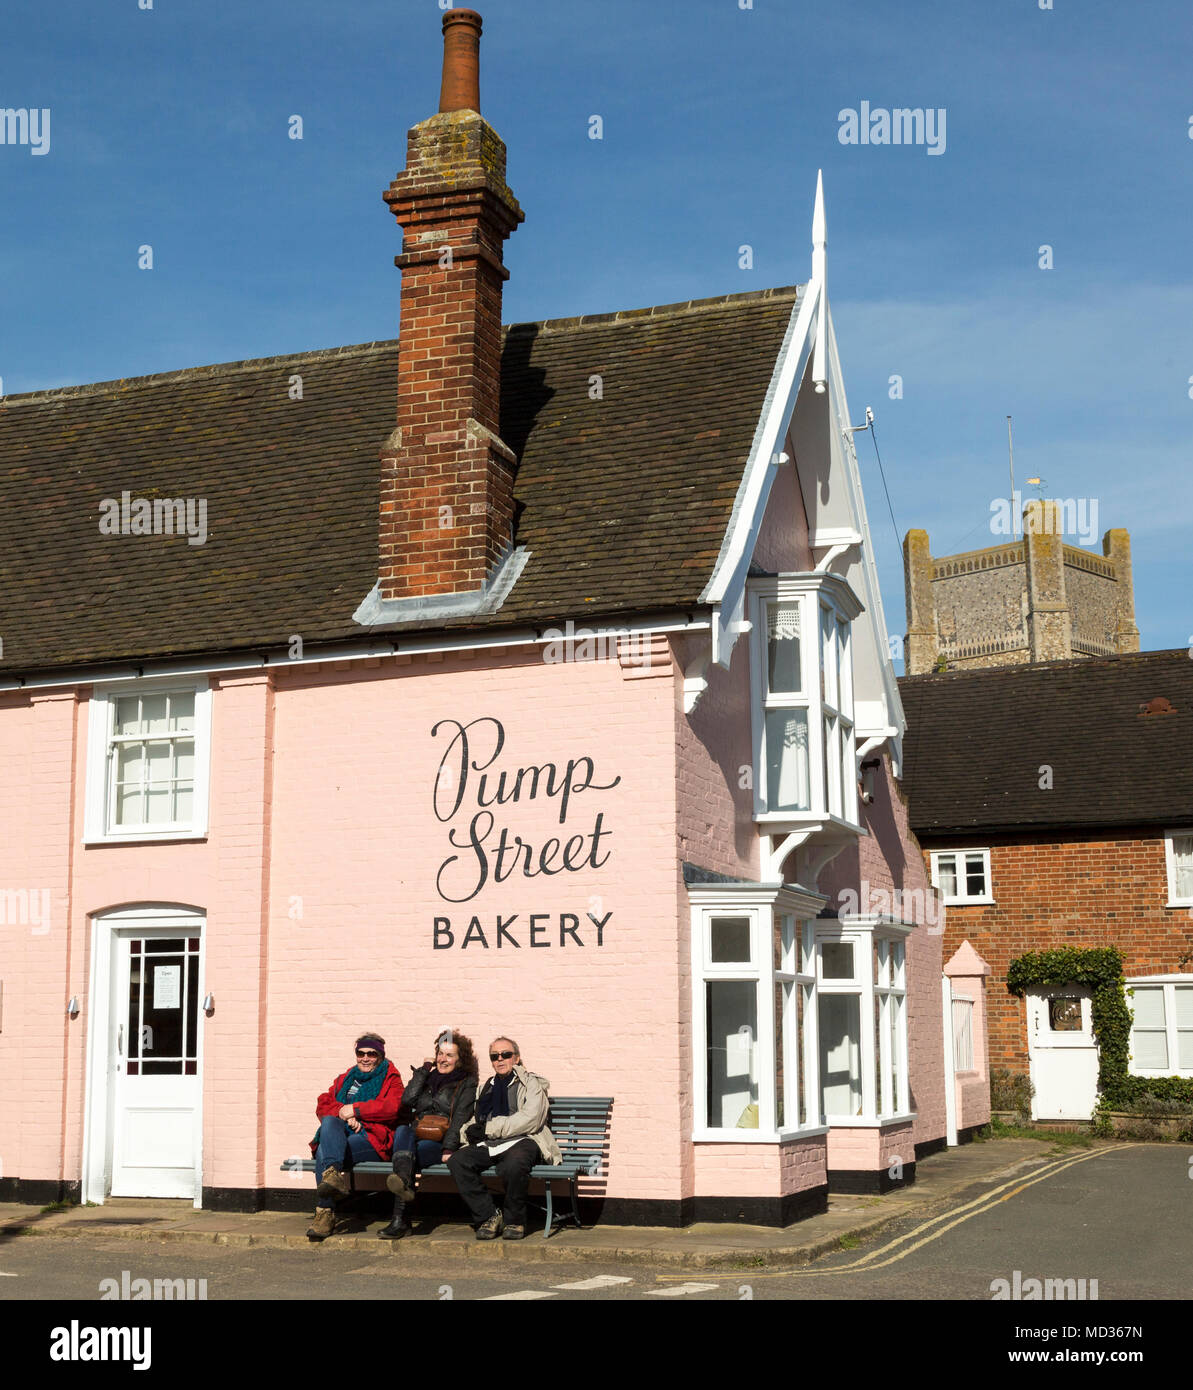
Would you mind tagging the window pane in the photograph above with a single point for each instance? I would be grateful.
(832, 766)
(192, 1006)
(897, 952)
(153, 714)
(840, 1054)
(837, 960)
(882, 967)
(132, 1042)
(159, 807)
(782, 995)
(128, 717)
(897, 1005)
(1064, 1014)
(808, 1100)
(128, 763)
(184, 759)
(160, 760)
(845, 676)
(128, 805)
(1148, 1006)
(879, 1110)
(183, 804)
(729, 940)
(975, 876)
(1149, 1049)
(946, 875)
(783, 649)
(732, 1047)
(787, 760)
(182, 711)
(828, 655)
(784, 949)
(1182, 861)
(1184, 1005)
(1184, 1049)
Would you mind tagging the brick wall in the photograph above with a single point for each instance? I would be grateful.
(1052, 892)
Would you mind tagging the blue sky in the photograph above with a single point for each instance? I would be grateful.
(1067, 127)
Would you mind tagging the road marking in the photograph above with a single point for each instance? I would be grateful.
(680, 1289)
(521, 1294)
(976, 1207)
(599, 1281)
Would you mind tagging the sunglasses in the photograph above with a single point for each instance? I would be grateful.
(501, 1056)
(367, 1052)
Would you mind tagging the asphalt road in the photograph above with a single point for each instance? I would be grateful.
(1121, 1216)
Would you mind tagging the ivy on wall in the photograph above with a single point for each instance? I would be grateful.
(1100, 968)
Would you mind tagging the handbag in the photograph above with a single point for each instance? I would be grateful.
(435, 1127)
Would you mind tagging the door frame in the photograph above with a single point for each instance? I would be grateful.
(97, 1112)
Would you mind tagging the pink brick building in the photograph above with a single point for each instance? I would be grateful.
(571, 718)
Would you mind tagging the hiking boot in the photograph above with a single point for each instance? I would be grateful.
(333, 1183)
(401, 1181)
(323, 1225)
(491, 1229)
(514, 1233)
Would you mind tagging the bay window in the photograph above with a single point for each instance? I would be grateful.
(862, 975)
(802, 682)
(754, 1014)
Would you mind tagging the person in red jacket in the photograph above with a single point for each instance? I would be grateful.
(357, 1114)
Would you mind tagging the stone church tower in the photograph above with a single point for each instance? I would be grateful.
(1032, 599)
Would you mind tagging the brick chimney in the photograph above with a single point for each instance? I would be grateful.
(446, 477)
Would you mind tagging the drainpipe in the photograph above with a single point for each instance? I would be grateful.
(950, 1067)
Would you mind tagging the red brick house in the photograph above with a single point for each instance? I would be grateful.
(1054, 803)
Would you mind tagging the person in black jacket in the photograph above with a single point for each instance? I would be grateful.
(444, 1086)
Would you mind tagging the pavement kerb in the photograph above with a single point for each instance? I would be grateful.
(560, 1250)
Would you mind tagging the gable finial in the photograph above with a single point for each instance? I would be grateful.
(819, 271)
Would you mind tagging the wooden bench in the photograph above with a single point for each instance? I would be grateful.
(580, 1125)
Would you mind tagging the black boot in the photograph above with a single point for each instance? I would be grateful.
(398, 1225)
(401, 1181)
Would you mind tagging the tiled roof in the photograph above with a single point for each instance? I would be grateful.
(622, 500)
(982, 746)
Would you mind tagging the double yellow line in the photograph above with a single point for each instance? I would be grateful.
(986, 1202)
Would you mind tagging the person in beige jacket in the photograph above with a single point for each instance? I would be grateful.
(509, 1134)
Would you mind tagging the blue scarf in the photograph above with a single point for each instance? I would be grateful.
(370, 1083)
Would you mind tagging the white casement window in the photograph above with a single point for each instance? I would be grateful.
(802, 683)
(148, 760)
(862, 975)
(962, 1033)
(1162, 1033)
(754, 1012)
(962, 875)
(1178, 853)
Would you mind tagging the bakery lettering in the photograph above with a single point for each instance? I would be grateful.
(472, 791)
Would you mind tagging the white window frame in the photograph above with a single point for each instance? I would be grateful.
(963, 898)
(882, 1103)
(98, 804)
(827, 607)
(1174, 899)
(766, 905)
(1169, 985)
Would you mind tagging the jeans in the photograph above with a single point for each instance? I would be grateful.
(427, 1152)
(339, 1148)
(512, 1167)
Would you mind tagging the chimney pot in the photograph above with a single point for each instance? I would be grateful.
(460, 90)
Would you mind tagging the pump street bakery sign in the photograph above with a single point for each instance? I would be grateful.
(478, 799)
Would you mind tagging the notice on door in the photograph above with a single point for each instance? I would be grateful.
(167, 983)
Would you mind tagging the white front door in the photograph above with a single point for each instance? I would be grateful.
(153, 1051)
(1064, 1059)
